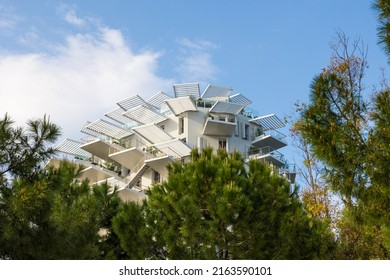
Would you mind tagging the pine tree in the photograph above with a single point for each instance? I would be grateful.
(383, 9)
(349, 137)
(47, 213)
(213, 208)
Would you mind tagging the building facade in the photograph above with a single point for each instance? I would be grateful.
(132, 144)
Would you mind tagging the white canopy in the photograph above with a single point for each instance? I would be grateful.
(226, 107)
(190, 89)
(181, 104)
(144, 115)
(152, 133)
(131, 102)
(158, 99)
(108, 129)
(214, 91)
(240, 99)
(268, 122)
(72, 147)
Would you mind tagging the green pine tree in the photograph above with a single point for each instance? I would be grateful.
(212, 207)
(349, 136)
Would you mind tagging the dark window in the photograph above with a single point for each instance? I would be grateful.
(222, 144)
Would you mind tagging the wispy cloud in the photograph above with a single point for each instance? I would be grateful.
(68, 13)
(72, 18)
(29, 38)
(195, 61)
(81, 81)
(6, 23)
(8, 20)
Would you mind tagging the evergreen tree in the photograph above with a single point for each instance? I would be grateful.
(23, 151)
(350, 139)
(383, 9)
(53, 217)
(108, 204)
(213, 208)
(46, 213)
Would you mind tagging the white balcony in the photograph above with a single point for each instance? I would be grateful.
(219, 126)
(131, 195)
(288, 172)
(271, 138)
(101, 149)
(160, 164)
(128, 158)
(95, 173)
(267, 155)
(174, 148)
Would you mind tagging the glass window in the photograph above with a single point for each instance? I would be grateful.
(222, 144)
(156, 177)
(181, 125)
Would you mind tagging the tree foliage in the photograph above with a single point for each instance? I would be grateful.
(383, 9)
(46, 213)
(346, 131)
(23, 151)
(213, 208)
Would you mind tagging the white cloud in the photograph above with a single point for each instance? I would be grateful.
(6, 23)
(81, 81)
(68, 12)
(28, 39)
(195, 63)
(200, 45)
(72, 18)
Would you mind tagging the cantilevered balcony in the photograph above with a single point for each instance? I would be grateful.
(128, 158)
(131, 195)
(95, 173)
(220, 125)
(288, 172)
(160, 164)
(267, 155)
(271, 138)
(101, 149)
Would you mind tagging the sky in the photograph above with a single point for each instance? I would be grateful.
(73, 60)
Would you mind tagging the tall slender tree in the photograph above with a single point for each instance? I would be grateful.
(346, 131)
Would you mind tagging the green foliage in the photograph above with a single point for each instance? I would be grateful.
(130, 226)
(51, 218)
(46, 213)
(360, 239)
(383, 9)
(349, 134)
(23, 151)
(213, 208)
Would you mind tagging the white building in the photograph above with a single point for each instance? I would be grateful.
(131, 146)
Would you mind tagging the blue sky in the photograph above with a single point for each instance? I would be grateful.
(75, 59)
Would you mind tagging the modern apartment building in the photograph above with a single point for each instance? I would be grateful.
(132, 144)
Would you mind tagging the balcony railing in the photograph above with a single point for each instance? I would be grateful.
(289, 172)
(203, 103)
(274, 133)
(258, 153)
